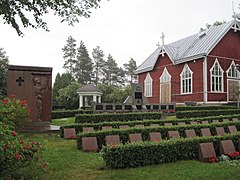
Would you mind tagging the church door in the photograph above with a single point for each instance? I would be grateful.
(165, 87)
(232, 90)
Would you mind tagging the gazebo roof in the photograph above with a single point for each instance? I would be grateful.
(90, 89)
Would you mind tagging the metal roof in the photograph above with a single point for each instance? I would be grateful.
(89, 88)
(189, 48)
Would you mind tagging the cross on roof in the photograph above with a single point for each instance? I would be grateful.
(20, 81)
(162, 37)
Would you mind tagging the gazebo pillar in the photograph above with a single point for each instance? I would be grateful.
(80, 101)
(99, 99)
(95, 99)
(85, 101)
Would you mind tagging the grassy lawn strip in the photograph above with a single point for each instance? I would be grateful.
(63, 121)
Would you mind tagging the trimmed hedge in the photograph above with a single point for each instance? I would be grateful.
(116, 124)
(123, 133)
(192, 108)
(69, 113)
(205, 113)
(96, 118)
(148, 153)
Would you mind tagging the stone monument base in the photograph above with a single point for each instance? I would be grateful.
(39, 127)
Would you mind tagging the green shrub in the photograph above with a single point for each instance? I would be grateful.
(148, 153)
(68, 113)
(123, 133)
(192, 108)
(96, 118)
(205, 113)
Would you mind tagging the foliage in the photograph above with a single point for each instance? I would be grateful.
(216, 23)
(68, 96)
(95, 118)
(147, 153)
(27, 13)
(130, 68)
(193, 108)
(69, 113)
(3, 72)
(98, 56)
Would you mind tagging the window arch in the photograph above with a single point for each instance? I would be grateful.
(186, 80)
(148, 86)
(216, 77)
(232, 71)
(165, 77)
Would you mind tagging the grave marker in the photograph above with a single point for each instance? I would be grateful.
(153, 125)
(227, 147)
(206, 151)
(220, 131)
(181, 123)
(232, 129)
(225, 120)
(112, 140)
(135, 137)
(206, 132)
(235, 119)
(205, 122)
(139, 126)
(167, 124)
(89, 144)
(106, 127)
(190, 133)
(88, 129)
(193, 122)
(123, 127)
(173, 134)
(69, 133)
(215, 121)
(155, 136)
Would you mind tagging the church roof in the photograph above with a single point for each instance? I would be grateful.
(89, 88)
(191, 47)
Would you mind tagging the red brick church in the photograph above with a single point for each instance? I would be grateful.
(203, 68)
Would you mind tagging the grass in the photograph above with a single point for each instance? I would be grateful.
(63, 121)
(66, 162)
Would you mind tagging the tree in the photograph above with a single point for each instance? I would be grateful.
(3, 72)
(130, 68)
(84, 67)
(216, 23)
(27, 13)
(69, 55)
(98, 56)
(110, 71)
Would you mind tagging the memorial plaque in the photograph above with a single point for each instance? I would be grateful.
(227, 147)
(109, 107)
(173, 134)
(88, 129)
(206, 151)
(193, 122)
(112, 140)
(99, 107)
(190, 133)
(220, 131)
(215, 121)
(153, 125)
(206, 132)
(181, 123)
(139, 126)
(89, 144)
(235, 119)
(118, 107)
(135, 137)
(167, 124)
(205, 122)
(232, 129)
(155, 136)
(123, 127)
(225, 120)
(106, 127)
(69, 133)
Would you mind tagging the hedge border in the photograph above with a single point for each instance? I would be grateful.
(68, 113)
(192, 108)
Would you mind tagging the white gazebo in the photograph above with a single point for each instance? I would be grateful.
(89, 90)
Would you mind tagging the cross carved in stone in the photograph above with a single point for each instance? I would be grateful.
(20, 81)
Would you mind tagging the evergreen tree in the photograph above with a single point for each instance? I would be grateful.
(3, 72)
(130, 68)
(69, 55)
(110, 71)
(98, 56)
(84, 66)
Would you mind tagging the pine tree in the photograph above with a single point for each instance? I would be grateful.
(3, 72)
(98, 56)
(69, 55)
(130, 68)
(84, 67)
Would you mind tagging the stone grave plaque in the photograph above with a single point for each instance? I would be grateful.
(235, 119)
(89, 144)
(123, 127)
(181, 123)
(227, 147)
(153, 125)
(88, 129)
(139, 126)
(206, 132)
(112, 140)
(190, 133)
(205, 122)
(193, 122)
(205, 151)
(225, 120)
(106, 127)
(135, 137)
(220, 131)
(167, 124)
(173, 134)
(232, 129)
(215, 121)
(69, 133)
(99, 107)
(155, 136)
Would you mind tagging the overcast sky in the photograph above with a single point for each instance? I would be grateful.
(123, 28)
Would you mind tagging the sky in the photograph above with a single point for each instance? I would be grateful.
(123, 28)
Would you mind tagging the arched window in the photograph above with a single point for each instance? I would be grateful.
(148, 86)
(165, 77)
(186, 80)
(232, 71)
(216, 77)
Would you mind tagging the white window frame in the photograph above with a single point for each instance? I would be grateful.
(232, 71)
(216, 87)
(165, 77)
(148, 85)
(186, 80)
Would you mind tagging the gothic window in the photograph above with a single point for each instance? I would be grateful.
(232, 71)
(165, 77)
(216, 77)
(148, 86)
(186, 80)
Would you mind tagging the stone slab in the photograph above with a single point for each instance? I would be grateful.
(225, 120)
(139, 126)
(232, 129)
(89, 144)
(123, 127)
(227, 147)
(155, 136)
(235, 119)
(204, 122)
(173, 134)
(106, 127)
(193, 122)
(168, 124)
(215, 121)
(135, 137)
(206, 132)
(181, 123)
(88, 129)
(219, 131)
(112, 140)
(205, 151)
(190, 133)
(69, 133)
(152, 125)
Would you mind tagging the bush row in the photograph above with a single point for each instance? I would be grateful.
(147, 153)
(69, 113)
(123, 133)
(205, 113)
(95, 118)
(192, 108)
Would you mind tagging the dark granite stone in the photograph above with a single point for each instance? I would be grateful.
(206, 132)
(227, 147)
(173, 134)
(190, 133)
(205, 151)
(112, 140)
(155, 136)
(135, 137)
